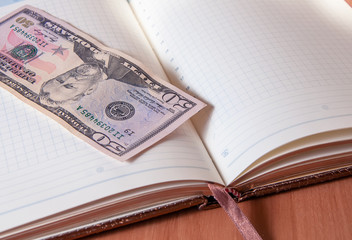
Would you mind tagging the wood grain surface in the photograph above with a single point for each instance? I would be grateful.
(322, 211)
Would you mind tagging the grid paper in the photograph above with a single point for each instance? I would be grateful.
(44, 169)
(264, 67)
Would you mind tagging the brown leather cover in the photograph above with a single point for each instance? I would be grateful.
(296, 183)
(112, 223)
(203, 202)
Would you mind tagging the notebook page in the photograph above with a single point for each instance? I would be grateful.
(271, 71)
(44, 169)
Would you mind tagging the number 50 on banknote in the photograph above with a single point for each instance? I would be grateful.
(101, 95)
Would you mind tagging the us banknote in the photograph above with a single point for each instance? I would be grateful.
(101, 95)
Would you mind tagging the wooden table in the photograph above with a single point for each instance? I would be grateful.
(321, 211)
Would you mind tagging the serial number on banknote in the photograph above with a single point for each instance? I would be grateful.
(101, 95)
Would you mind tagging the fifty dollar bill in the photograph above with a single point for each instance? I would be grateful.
(99, 94)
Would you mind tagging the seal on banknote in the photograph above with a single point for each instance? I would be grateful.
(120, 110)
(24, 52)
(93, 90)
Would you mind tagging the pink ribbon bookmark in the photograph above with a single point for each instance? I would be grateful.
(237, 216)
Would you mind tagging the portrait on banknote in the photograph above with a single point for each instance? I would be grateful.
(101, 95)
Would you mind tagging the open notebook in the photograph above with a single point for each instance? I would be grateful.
(277, 78)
